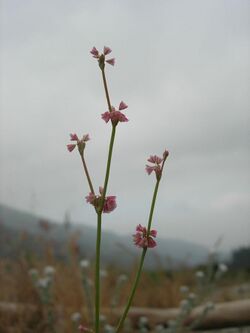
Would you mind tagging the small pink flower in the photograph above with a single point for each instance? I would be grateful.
(141, 239)
(122, 106)
(140, 228)
(95, 52)
(106, 116)
(73, 137)
(155, 168)
(155, 159)
(158, 164)
(109, 204)
(106, 50)
(153, 232)
(71, 147)
(149, 169)
(111, 61)
(115, 116)
(151, 242)
(95, 200)
(79, 143)
(90, 198)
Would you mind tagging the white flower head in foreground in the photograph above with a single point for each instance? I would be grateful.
(76, 317)
(49, 271)
(43, 282)
(84, 263)
(199, 274)
(223, 268)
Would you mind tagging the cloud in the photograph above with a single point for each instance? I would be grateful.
(183, 69)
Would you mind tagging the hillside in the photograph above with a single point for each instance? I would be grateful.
(23, 231)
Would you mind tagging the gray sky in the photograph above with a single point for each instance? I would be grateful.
(183, 69)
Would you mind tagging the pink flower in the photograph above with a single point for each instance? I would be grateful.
(149, 169)
(95, 52)
(151, 242)
(71, 147)
(122, 106)
(153, 232)
(115, 116)
(155, 168)
(73, 137)
(109, 204)
(79, 143)
(158, 164)
(141, 239)
(140, 228)
(111, 61)
(106, 116)
(95, 200)
(155, 159)
(106, 50)
(90, 198)
(101, 57)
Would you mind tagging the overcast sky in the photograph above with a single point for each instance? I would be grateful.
(183, 69)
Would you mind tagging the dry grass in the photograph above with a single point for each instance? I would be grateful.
(157, 289)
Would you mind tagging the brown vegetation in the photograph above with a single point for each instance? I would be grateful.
(21, 308)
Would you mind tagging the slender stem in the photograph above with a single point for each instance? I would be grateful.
(137, 278)
(87, 174)
(121, 322)
(98, 235)
(99, 216)
(106, 90)
(152, 207)
(111, 144)
(97, 273)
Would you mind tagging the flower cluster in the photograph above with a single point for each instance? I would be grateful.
(143, 239)
(158, 164)
(101, 56)
(80, 143)
(115, 115)
(95, 200)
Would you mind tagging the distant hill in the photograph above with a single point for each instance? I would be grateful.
(26, 232)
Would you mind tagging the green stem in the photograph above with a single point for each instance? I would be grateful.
(98, 235)
(111, 144)
(121, 322)
(87, 174)
(97, 273)
(99, 216)
(106, 90)
(150, 218)
(137, 278)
